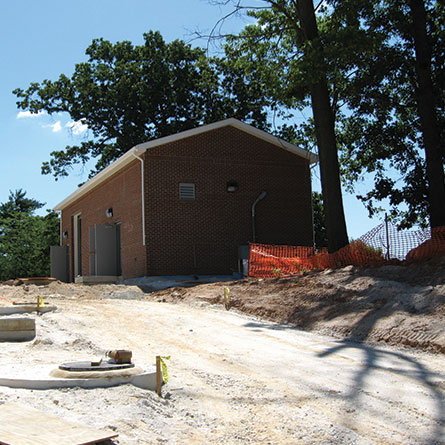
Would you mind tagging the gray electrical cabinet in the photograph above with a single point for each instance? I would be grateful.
(59, 256)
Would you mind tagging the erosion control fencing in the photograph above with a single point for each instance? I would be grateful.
(382, 245)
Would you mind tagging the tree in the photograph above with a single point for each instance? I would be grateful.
(17, 204)
(128, 94)
(320, 236)
(368, 58)
(324, 121)
(396, 102)
(426, 107)
(25, 238)
(284, 49)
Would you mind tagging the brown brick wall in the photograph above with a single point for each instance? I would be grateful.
(122, 192)
(203, 236)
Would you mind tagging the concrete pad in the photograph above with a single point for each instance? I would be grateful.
(22, 425)
(39, 377)
(25, 309)
(155, 283)
(38, 281)
(17, 329)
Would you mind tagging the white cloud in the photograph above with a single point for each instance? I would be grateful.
(22, 114)
(56, 127)
(77, 127)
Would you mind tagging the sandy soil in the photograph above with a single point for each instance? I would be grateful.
(395, 305)
(238, 378)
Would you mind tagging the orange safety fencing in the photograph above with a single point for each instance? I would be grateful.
(382, 245)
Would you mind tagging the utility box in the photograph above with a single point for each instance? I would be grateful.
(243, 260)
(59, 256)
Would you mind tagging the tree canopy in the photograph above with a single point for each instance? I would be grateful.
(384, 66)
(286, 49)
(320, 235)
(395, 126)
(128, 94)
(25, 238)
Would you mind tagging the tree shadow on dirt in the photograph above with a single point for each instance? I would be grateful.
(361, 331)
(371, 310)
(418, 373)
(429, 273)
(358, 311)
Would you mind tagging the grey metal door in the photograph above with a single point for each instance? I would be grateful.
(60, 263)
(103, 250)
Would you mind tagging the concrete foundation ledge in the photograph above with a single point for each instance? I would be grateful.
(32, 377)
(97, 279)
(17, 329)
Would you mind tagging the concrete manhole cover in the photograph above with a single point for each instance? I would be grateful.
(87, 366)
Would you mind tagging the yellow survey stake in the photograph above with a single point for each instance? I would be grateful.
(226, 297)
(164, 369)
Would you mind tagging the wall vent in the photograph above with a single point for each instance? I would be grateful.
(186, 191)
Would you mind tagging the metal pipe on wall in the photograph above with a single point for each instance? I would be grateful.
(261, 196)
(142, 197)
(59, 212)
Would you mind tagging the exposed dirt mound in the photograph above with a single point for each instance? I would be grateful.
(397, 305)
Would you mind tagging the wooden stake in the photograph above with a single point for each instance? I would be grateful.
(158, 375)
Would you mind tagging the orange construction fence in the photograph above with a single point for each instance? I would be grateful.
(381, 245)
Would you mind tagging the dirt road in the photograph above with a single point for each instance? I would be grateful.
(235, 379)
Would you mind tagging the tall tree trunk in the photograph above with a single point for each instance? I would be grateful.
(325, 133)
(427, 113)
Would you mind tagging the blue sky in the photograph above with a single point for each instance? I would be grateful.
(42, 39)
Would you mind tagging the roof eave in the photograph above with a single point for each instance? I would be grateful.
(113, 168)
(275, 140)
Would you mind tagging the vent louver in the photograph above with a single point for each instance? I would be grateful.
(186, 191)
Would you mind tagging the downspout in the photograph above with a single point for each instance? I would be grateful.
(312, 214)
(142, 197)
(261, 196)
(59, 212)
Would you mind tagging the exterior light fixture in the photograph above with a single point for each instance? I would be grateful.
(109, 212)
(232, 186)
(65, 235)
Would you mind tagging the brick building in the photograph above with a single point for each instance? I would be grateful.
(183, 204)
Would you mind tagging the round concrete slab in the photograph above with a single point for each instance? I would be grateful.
(39, 377)
(88, 367)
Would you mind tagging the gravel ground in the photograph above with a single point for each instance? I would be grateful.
(235, 378)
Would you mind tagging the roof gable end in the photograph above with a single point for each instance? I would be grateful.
(311, 157)
(138, 150)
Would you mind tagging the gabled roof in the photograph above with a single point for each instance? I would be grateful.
(139, 149)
